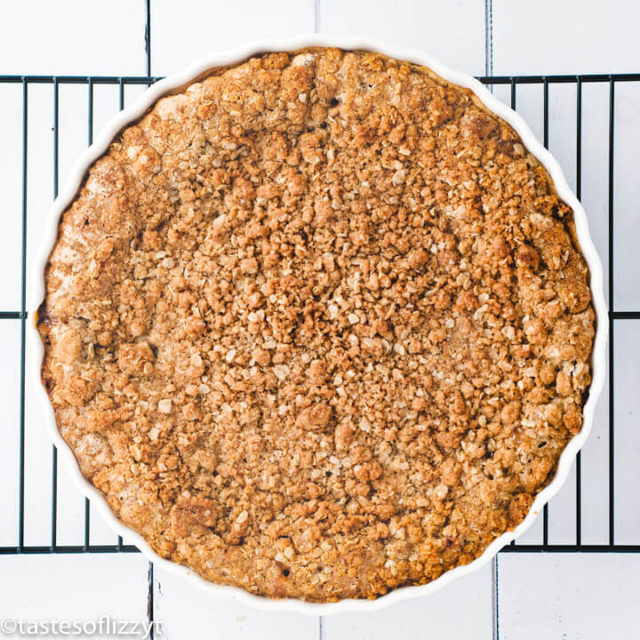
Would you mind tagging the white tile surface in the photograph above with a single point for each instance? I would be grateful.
(627, 197)
(436, 616)
(595, 159)
(184, 31)
(627, 440)
(569, 596)
(37, 481)
(39, 167)
(72, 37)
(73, 587)
(595, 474)
(188, 612)
(10, 184)
(9, 431)
(574, 36)
(450, 31)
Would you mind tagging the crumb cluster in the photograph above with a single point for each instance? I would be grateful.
(318, 326)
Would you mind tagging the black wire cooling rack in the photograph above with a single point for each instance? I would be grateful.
(508, 83)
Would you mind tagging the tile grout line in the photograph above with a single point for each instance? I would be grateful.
(150, 602)
(316, 28)
(147, 36)
(54, 450)
(150, 574)
(488, 37)
(495, 599)
(488, 70)
(23, 307)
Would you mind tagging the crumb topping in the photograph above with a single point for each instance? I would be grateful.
(318, 326)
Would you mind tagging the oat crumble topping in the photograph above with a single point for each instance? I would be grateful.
(318, 326)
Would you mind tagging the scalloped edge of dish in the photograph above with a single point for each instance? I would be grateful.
(236, 56)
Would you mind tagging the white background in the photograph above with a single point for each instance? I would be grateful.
(569, 596)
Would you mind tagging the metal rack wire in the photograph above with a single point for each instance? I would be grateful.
(513, 82)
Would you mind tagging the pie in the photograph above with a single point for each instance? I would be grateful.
(318, 326)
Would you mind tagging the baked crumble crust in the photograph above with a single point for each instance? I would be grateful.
(317, 326)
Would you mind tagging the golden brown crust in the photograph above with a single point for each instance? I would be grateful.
(316, 326)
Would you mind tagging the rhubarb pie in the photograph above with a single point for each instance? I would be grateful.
(318, 326)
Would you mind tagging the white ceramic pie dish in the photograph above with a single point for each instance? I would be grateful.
(235, 56)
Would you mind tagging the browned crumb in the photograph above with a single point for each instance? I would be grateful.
(317, 326)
